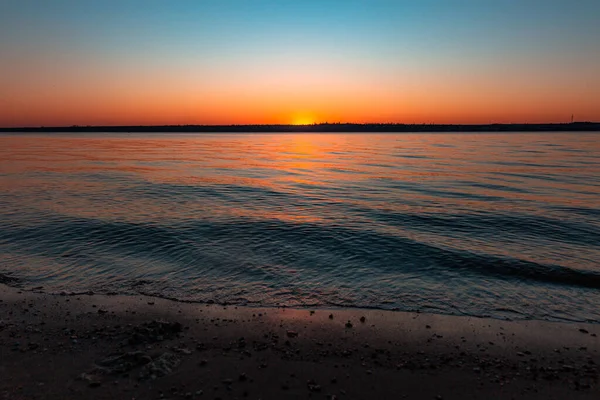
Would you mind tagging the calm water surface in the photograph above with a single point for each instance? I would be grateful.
(502, 225)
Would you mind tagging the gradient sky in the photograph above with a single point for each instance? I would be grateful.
(115, 62)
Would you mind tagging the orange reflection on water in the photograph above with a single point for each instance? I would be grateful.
(293, 177)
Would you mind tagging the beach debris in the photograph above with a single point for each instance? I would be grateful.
(363, 319)
(9, 280)
(348, 324)
(427, 326)
(583, 330)
(155, 331)
(102, 311)
(160, 366)
(203, 363)
(292, 334)
(243, 377)
(182, 350)
(330, 316)
(123, 362)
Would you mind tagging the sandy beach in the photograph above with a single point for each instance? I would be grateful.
(78, 346)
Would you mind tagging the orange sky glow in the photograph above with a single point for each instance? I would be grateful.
(195, 64)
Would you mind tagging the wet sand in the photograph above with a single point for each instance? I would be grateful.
(80, 346)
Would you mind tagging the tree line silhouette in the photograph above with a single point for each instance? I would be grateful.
(323, 128)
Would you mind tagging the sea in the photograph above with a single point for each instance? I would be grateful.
(501, 225)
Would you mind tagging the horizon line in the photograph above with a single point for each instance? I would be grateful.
(295, 126)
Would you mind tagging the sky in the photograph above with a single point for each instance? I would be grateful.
(147, 62)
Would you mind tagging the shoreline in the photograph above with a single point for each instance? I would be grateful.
(55, 347)
(17, 283)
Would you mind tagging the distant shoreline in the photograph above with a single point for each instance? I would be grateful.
(319, 128)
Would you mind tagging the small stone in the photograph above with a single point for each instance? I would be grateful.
(330, 316)
(583, 330)
(348, 324)
(312, 386)
(292, 334)
(363, 319)
(92, 380)
(428, 326)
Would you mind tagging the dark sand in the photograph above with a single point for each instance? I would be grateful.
(112, 347)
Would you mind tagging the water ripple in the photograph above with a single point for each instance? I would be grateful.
(488, 225)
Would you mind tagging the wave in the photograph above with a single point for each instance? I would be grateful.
(296, 245)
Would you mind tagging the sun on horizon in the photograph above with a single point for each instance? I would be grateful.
(303, 120)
